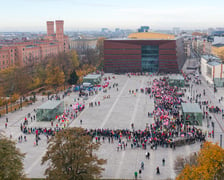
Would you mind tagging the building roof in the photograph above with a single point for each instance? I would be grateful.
(31, 46)
(92, 76)
(217, 40)
(198, 34)
(151, 35)
(176, 77)
(214, 63)
(191, 108)
(218, 45)
(212, 60)
(50, 104)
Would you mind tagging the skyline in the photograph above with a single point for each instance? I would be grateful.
(31, 15)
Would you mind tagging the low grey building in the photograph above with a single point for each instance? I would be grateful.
(176, 80)
(49, 110)
(192, 114)
(92, 78)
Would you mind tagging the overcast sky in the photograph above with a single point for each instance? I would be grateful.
(31, 15)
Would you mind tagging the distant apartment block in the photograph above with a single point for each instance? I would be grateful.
(23, 53)
(212, 70)
(201, 45)
(78, 44)
(143, 29)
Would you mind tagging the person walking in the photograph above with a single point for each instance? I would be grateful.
(142, 165)
(163, 161)
(140, 172)
(147, 154)
(157, 170)
(136, 174)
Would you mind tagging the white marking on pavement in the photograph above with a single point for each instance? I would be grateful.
(171, 164)
(117, 176)
(152, 164)
(137, 102)
(36, 162)
(112, 108)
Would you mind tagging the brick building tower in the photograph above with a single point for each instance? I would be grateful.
(59, 30)
(50, 28)
(23, 52)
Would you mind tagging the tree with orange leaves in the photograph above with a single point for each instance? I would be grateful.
(55, 76)
(210, 164)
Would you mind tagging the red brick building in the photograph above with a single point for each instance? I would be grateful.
(23, 53)
(144, 52)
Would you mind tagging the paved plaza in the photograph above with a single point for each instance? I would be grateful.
(117, 112)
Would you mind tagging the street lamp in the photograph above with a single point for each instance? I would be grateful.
(207, 122)
(213, 127)
(221, 140)
(21, 104)
(6, 107)
(194, 95)
(214, 88)
(11, 102)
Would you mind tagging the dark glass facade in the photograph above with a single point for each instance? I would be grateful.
(130, 55)
(150, 58)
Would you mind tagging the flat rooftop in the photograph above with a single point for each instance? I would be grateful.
(92, 76)
(176, 77)
(50, 104)
(212, 60)
(191, 108)
(151, 35)
(147, 36)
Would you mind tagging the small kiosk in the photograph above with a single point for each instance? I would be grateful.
(192, 114)
(92, 78)
(49, 110)
(176, 80)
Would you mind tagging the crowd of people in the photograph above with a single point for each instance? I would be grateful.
(166, 130)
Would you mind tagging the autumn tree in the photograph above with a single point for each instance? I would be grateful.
(210, 164)
(11, 165)
(100, 49)
(71, 155)
(86, 69)
(8, 82)
(74, 59)
(23, 79)
(53, 71)
(181, 161)
(41, 72)
(55, 76)
(73, 78)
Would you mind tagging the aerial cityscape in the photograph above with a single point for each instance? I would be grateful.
(112, 90)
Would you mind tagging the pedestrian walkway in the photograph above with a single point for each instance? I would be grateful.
(117, 112)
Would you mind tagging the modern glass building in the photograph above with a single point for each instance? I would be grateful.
(176, 80)
(92, 78)
(192, 114)
(150, 58)
(49, 110)
(144, 52)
